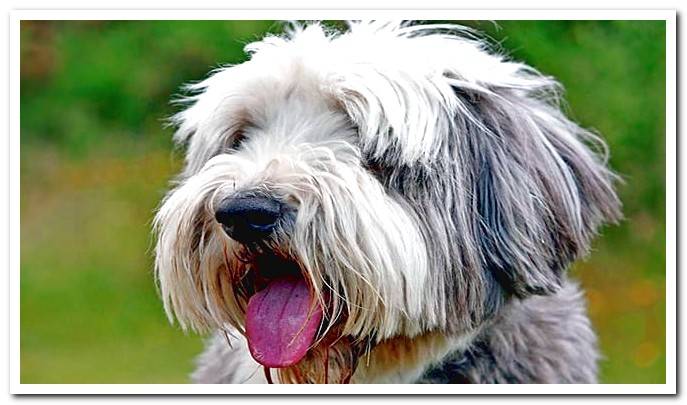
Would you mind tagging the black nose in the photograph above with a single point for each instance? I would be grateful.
(249, 219)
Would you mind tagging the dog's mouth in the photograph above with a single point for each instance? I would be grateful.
(282, 321)
(288, 328)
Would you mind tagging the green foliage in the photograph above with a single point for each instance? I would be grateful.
(96, 158)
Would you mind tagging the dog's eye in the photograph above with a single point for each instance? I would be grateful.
(235, 140)
(377, 169)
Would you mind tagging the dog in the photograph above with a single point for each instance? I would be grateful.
(389, 203)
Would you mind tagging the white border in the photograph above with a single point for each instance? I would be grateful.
(286, 14)
(14, 195)
(367, 389)
(671, 204)
(671, 170)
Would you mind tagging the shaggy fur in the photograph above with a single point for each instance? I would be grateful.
(436, 196)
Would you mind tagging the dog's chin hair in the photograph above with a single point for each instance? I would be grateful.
(350, 239)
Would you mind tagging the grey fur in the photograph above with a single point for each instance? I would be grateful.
(532, 196)
(542, 339)
(501, 189)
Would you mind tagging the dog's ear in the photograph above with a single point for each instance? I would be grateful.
(463, 131)
(540, 186)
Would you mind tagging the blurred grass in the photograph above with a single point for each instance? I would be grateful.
(95, 160)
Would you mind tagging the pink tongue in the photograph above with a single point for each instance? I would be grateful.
(281, 322)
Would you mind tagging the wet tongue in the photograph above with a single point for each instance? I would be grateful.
(281, 322)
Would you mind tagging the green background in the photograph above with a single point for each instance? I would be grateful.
(96, 159)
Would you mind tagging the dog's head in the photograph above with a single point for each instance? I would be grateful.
(388, 181)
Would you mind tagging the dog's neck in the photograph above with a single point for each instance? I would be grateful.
(403, 360)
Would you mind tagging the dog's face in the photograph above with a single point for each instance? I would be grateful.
(342, 189)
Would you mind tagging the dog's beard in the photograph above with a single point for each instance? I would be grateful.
(355, 250)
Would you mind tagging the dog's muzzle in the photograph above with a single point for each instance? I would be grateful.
(283, 315)
(249, 218)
